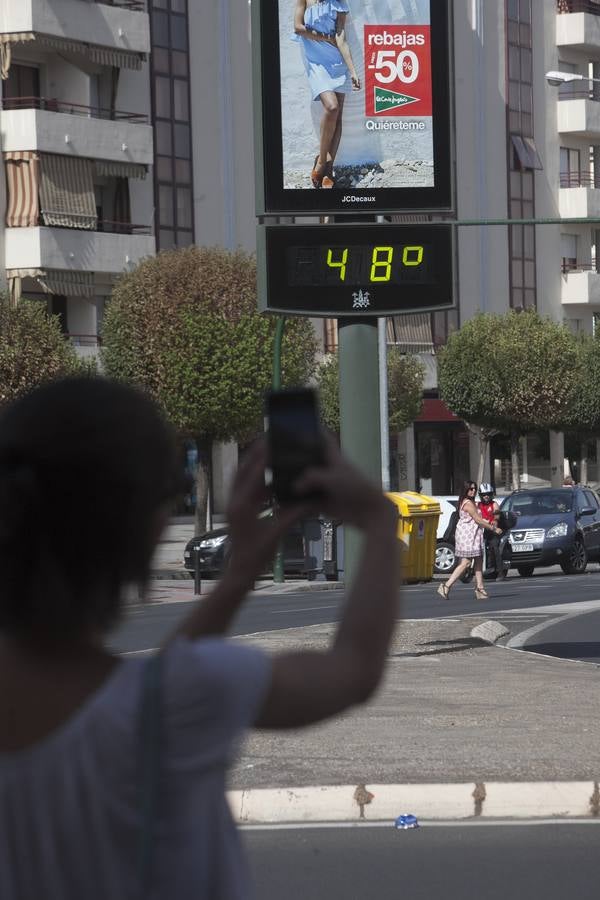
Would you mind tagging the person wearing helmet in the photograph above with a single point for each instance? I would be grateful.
(490, 511)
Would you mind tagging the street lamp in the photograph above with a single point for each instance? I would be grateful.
(558, 78)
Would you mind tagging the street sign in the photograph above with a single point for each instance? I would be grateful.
(375, 77)
(354, 270)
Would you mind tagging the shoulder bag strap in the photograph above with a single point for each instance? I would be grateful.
(149, 765)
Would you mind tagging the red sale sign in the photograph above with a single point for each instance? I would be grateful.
(398, 70)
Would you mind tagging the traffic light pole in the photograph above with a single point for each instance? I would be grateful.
(359, 412)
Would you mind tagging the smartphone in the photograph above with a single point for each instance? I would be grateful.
(295, 439)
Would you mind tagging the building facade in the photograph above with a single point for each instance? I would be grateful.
(77, 150)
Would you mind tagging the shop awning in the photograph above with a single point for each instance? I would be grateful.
(106, 168)
(435, 410)
(103, 56)
(411, 333)
(22, 182)
(67, 196)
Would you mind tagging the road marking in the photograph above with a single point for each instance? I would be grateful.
(278, 612)
(424, 823)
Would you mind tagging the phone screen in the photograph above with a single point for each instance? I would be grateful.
(295, 439)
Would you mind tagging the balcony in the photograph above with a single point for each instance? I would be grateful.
(118, 26)
(53, 126)
(579, 112)
(579, 196)
(578, 25)
(104, 251)
(580, 284)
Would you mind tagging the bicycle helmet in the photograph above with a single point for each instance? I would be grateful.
(486, 488)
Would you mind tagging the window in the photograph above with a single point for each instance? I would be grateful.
(568, 252)
(570, 167)
(173, 175)
(22, 81)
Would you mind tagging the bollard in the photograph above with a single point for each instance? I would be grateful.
(197, 578)
(330, 562)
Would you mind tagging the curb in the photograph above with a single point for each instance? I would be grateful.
(489, 632)
(385, 802)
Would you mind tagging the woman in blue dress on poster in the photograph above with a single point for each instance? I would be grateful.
(320, 26)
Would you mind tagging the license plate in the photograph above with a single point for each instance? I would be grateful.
(187, 554)
(522, 548)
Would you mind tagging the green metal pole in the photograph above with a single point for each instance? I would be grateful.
(278, 573)
(359, 412)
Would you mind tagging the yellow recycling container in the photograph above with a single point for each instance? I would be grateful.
(417, 532)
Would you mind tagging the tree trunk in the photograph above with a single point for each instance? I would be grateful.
(514, 460)
(484, 444)
(583, 463)
(202, 521)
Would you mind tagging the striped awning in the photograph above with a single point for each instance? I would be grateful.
(105, 168)
(103, 56)
(64, 282)
(22, 183)
(67, 196)
(6, 42)
(67, 283)
(411, 333)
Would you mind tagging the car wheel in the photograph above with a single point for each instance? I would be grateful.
(445, 558)
(525, 571)
(577, 562)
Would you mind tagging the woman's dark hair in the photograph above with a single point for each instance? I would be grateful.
(464, 493)
(85, 466)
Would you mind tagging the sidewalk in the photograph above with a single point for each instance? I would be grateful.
(459, 729)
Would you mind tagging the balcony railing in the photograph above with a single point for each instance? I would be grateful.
(571, 265)
(73, 109)
(84, 340)
(136, 5)
(568, 92)
(579, 179)
(578, 6)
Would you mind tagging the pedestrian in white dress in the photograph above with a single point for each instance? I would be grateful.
(468, 541)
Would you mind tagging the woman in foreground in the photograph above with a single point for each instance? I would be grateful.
(89, 809)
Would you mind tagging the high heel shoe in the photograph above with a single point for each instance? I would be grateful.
(443, 590)
(481, 594)
(315, 176)
(328, 180)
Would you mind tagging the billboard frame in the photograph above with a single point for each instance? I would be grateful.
(273, 199)
(275, 296)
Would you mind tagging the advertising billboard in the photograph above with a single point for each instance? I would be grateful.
(352, 106)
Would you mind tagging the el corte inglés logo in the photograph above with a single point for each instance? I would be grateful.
(386, 100)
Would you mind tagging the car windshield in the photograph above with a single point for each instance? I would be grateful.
(538, 503)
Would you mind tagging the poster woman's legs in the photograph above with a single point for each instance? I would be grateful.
(331, 133)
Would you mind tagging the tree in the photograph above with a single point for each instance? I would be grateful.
(405, 389)
(32, 349)
(584, 416)
(511, 373)
(184, 326)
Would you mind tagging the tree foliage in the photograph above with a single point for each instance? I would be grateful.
(32, 349)
(515, 372)
(405, 390)
(184, 325)
(511, 373)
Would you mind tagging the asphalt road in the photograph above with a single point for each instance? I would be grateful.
(450, 862)
(520, 603)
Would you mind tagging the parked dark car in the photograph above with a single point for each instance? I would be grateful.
(555, 526)
(215, 547)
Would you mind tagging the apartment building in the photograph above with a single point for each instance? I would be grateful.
(77, 152)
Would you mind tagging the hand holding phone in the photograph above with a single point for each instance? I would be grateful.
(296, 440)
